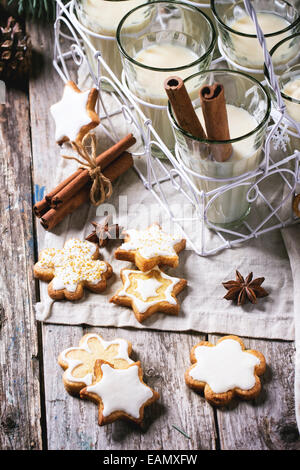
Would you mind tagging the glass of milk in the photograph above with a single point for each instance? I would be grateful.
(179, 40)
(277, 19)
(288, 75)
(99, 19)
(248, 110)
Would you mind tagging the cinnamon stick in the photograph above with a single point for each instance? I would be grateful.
(44, 205)
(183, 108)
(216, 120)
(72, 185)
(41, 207)
(53, 216)
(103, 160)
(61, 186)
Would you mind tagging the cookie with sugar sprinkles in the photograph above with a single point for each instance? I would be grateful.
(78, 361)
(71, 269)
(119, 393)
(149, 292)
(225, 370)
(75, 114)
(150, 247)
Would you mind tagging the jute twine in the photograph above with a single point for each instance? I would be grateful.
(101, 188)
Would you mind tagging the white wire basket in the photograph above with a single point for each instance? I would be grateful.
(157, 174)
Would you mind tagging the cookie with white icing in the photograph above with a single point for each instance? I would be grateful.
(119, 393)
(72, 269)
(75, 114)
(78, 362)
(149, 292)
(150, 247)
(225, 370)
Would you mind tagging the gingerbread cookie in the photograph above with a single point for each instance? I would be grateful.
(150, 247)
(78, 362)
(71, 269)
(225, 370)
(119, 393)
(74, 114)
(149, 292)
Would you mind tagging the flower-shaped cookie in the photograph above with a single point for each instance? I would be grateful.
(225, 370)
(74, 114)
(71, 269)
(79, 362)
(119, 393)
(150, 247)
(149, 292)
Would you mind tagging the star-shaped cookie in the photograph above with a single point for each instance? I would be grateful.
(225, 370)
(119, 393)
(71, 269)
(149, 292)
(78, 362)
(75, 114)
(150, 247)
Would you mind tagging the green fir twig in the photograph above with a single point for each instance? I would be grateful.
(37, 9)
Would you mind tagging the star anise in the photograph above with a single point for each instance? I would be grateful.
(242, 289)
(104, 231)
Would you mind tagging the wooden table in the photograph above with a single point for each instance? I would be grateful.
(35, 410)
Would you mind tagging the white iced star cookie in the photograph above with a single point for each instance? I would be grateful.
(78, 362)
(149, 292)
(119, 393)
(225, 370)
(71, 269)
(150, 247)
(74, 114)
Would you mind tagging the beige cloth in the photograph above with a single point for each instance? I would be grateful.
(203, 308)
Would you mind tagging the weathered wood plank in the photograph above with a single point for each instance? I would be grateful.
(269, 421)
(19, 364)
(72, 422)
(45, 88)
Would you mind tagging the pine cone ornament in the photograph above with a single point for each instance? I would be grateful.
(15, 53)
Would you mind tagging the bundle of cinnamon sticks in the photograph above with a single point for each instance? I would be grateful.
(214, 112)
(75, 190)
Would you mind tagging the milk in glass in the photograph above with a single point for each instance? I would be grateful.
(247, 50)
(102, 17)
(292, 89)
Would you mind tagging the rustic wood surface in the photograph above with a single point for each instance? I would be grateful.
(35, 410)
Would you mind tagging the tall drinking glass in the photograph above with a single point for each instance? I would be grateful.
(99, 19)
(179, 39)
(277, 19)
(288, 75)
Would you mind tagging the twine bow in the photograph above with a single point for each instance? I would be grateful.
(101, 188)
